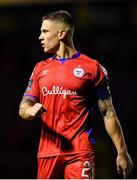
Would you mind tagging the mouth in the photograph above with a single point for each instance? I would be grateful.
(42, 44)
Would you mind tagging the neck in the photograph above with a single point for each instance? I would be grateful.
(65, 50)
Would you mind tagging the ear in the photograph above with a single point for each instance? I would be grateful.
(62, 34)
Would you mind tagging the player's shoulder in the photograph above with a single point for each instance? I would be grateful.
(89, 60)
(93, 64)
(42, 63)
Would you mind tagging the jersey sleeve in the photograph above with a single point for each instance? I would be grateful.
(99, 74)
(103, 90)
(101, 82)
(32, 89)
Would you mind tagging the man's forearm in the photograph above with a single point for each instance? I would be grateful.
(24, 107)
(112, 124)
(114, 130)
(123, 161)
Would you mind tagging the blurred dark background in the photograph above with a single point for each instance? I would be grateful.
(105, 30)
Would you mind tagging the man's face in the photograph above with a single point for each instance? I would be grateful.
(49, 36)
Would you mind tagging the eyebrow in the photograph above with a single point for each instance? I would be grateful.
(44, 29)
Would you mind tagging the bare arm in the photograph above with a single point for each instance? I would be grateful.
(29, 110)
(113, 128)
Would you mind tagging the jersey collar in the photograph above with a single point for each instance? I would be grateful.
(65, 59)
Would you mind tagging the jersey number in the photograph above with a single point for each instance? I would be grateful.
(87, 170)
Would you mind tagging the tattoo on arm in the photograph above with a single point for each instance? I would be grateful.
(106, 108)
(109, 113)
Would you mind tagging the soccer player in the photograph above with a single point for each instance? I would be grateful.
(62, 90)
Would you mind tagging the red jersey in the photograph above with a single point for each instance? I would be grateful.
(66, 89)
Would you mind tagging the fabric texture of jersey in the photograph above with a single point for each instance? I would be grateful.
(66, 89)
(68, 166)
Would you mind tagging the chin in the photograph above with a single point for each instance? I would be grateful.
(48, 50)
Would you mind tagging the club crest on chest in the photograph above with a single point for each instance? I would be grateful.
(78, 71)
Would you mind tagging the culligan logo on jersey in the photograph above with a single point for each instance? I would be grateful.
(58, 90)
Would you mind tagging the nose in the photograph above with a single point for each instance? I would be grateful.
(40, 37)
